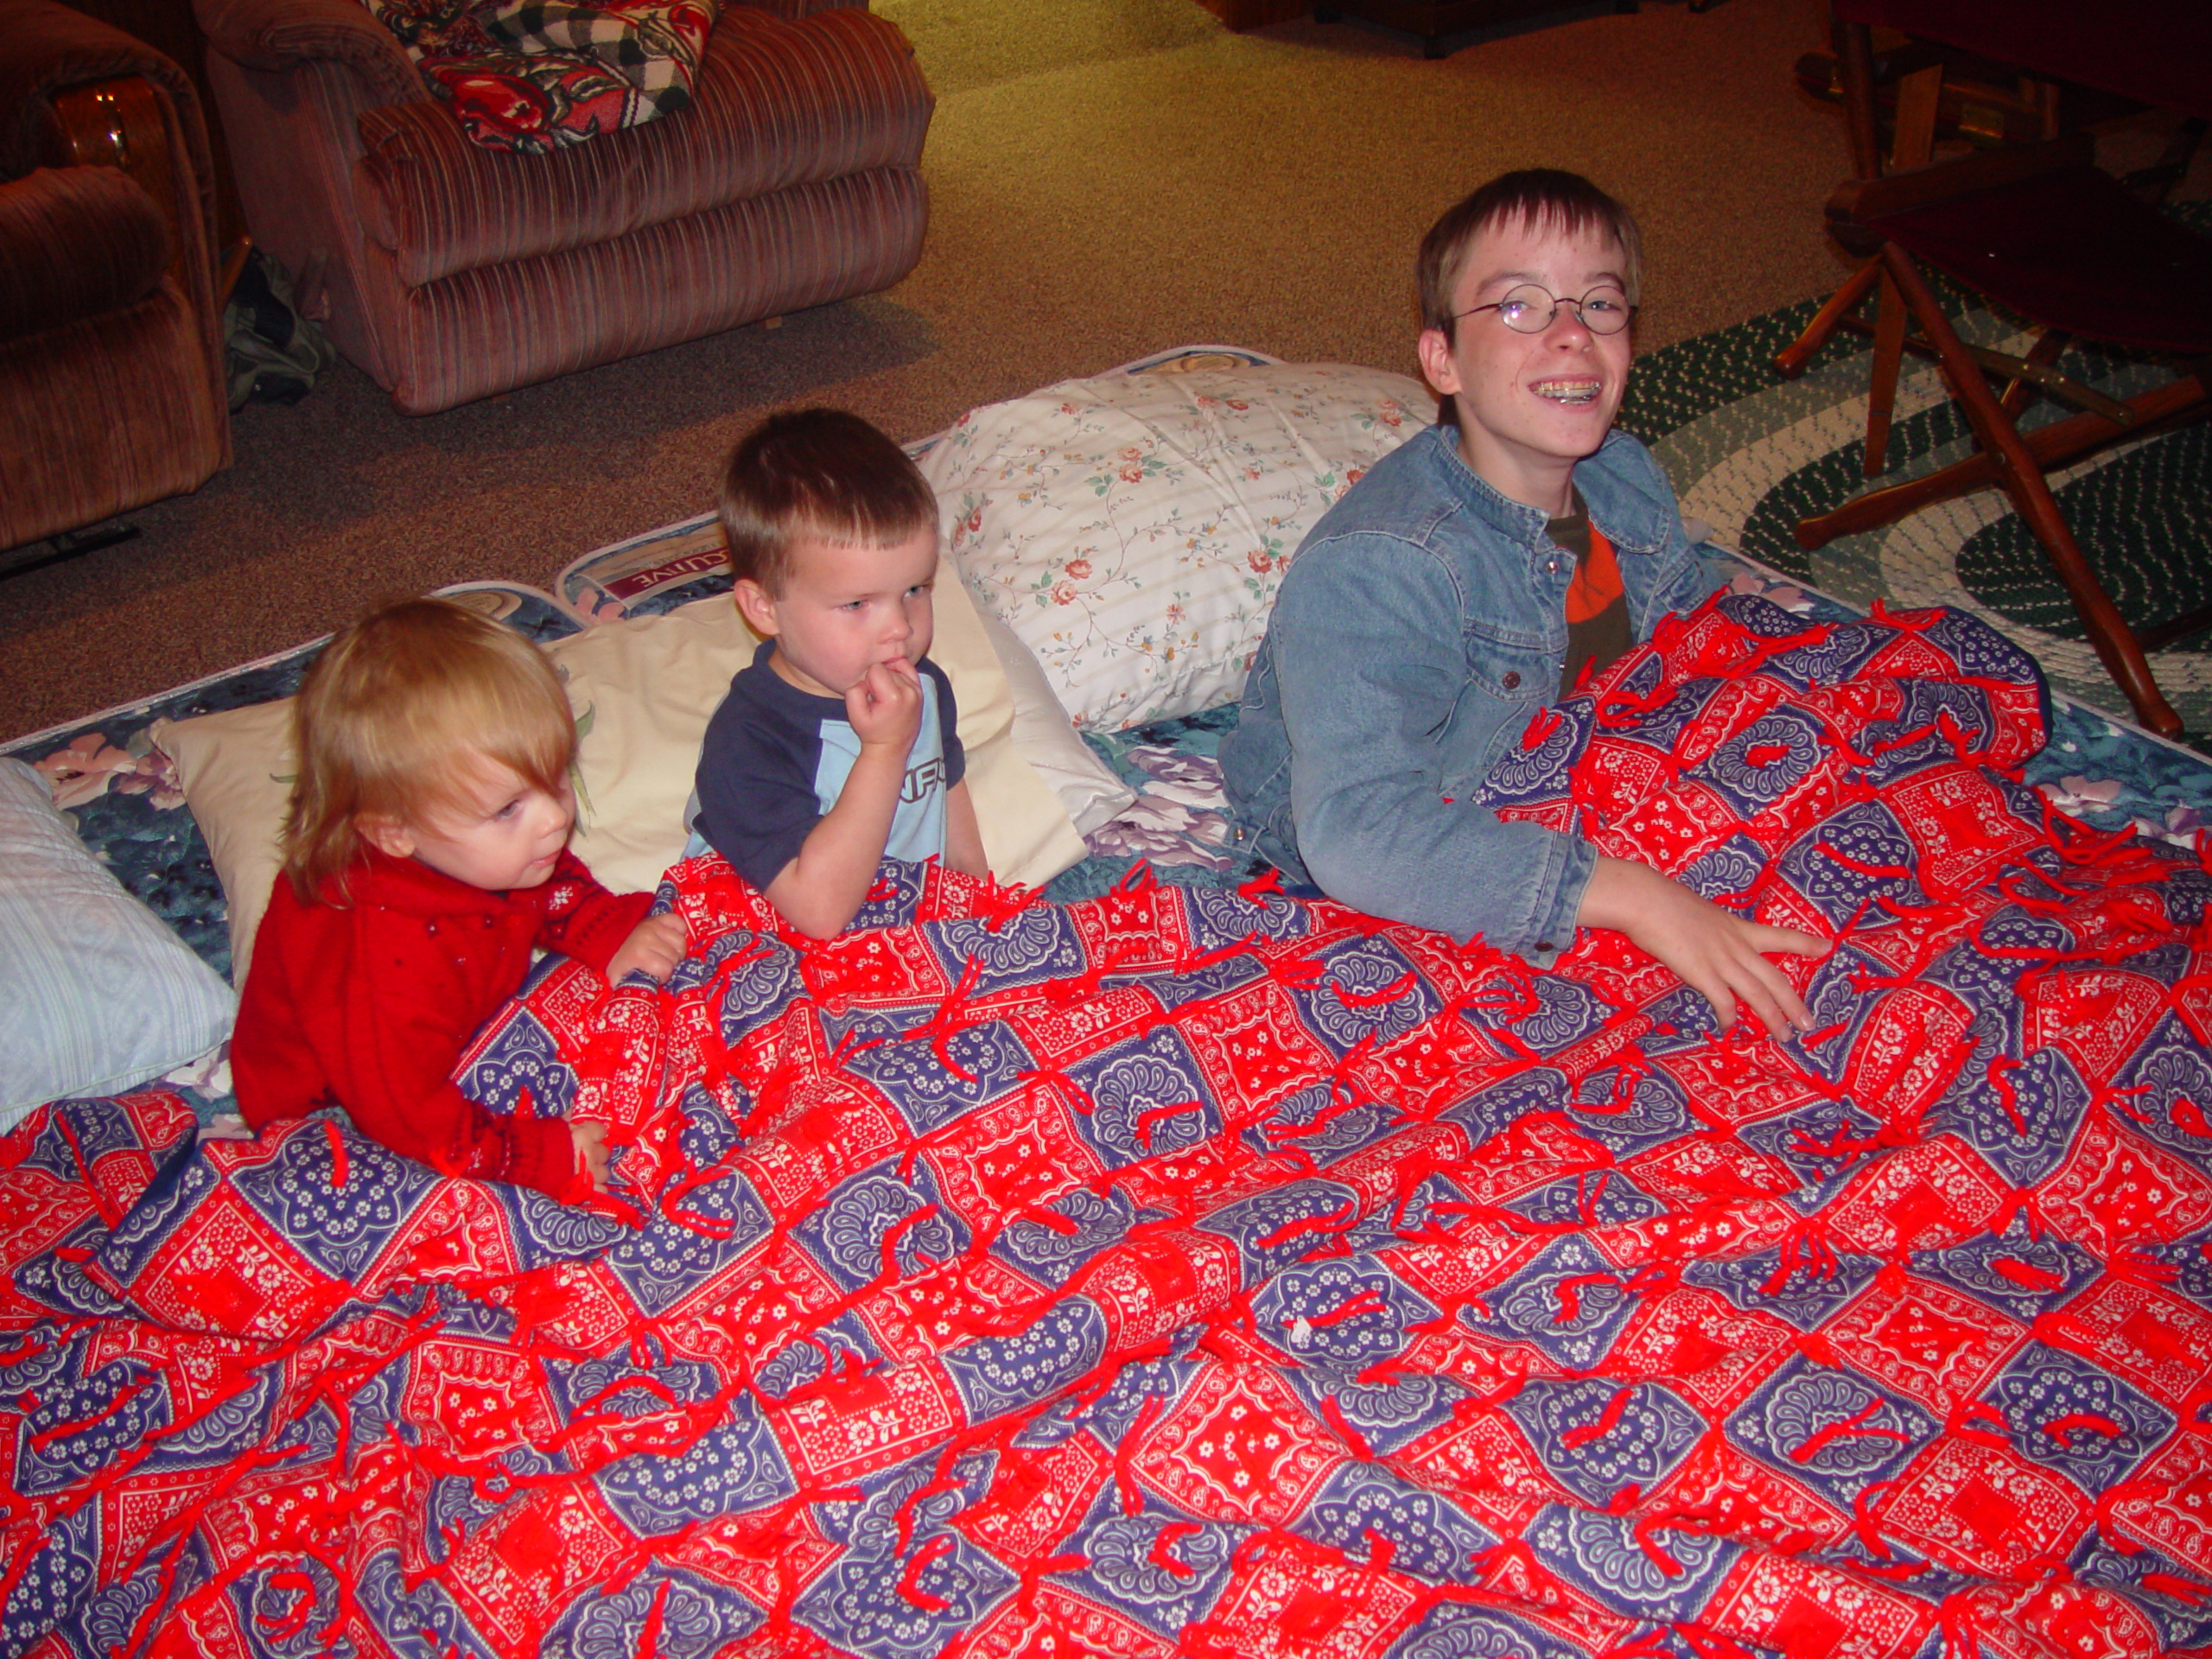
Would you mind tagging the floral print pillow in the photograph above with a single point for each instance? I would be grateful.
(1133, 529)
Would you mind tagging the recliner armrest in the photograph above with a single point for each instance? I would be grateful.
(75, 242)
(279, 34)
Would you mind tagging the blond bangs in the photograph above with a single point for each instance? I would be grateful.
(390, 715)
(415, 754)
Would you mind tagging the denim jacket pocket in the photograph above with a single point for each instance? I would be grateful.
(1511, 666)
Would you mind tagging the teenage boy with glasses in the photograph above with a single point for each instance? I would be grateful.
(1466, 581)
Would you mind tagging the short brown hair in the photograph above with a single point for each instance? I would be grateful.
(816, 472)
(389, 709)
(1541, 196)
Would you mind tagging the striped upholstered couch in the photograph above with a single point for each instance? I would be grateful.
(449, 271)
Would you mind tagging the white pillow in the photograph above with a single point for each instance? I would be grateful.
(96, 992)
(643, 689)
(1087, 786)
(1132, 529)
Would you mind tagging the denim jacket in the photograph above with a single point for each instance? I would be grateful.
(1421, 623)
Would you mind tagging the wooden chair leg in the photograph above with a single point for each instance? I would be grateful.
(1913, 141)
(1890, 322)
(1840, 304)
(2045, 93)
(2053, 447)
(1920, 97)
(1854, 62)
(2022, 480)
(1890, 319)
(2047, 350)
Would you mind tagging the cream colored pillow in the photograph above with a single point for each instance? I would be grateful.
(236, 769)
(643, 690)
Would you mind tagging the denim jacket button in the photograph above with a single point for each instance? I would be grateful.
(1512, 678)
(1543, 944)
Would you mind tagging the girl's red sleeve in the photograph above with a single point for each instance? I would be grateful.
(371, 1012)
(583, 919)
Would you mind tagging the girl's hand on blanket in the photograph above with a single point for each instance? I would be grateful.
(886, 707)
(1716, 953)
(654, 947)
(591, 1151)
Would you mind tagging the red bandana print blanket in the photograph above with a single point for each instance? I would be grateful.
(1205, 1273)
(530, 75)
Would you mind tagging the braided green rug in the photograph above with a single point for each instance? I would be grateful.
(1752, 453)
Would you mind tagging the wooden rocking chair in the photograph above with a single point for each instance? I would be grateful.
(2042, 233)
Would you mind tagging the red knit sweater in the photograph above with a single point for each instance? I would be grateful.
(367, 1001)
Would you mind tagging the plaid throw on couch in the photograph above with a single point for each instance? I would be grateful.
(527, 75)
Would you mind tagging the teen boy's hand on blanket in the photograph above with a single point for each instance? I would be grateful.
(654, 947)
(1715, 953)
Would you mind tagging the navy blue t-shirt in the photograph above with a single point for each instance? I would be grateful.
(775, 759)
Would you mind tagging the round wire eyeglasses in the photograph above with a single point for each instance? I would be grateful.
(1530, 309)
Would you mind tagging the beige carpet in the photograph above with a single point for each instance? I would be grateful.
(1107, 177)
(964, 44)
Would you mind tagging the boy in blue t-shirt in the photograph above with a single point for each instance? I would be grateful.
(836, 749)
